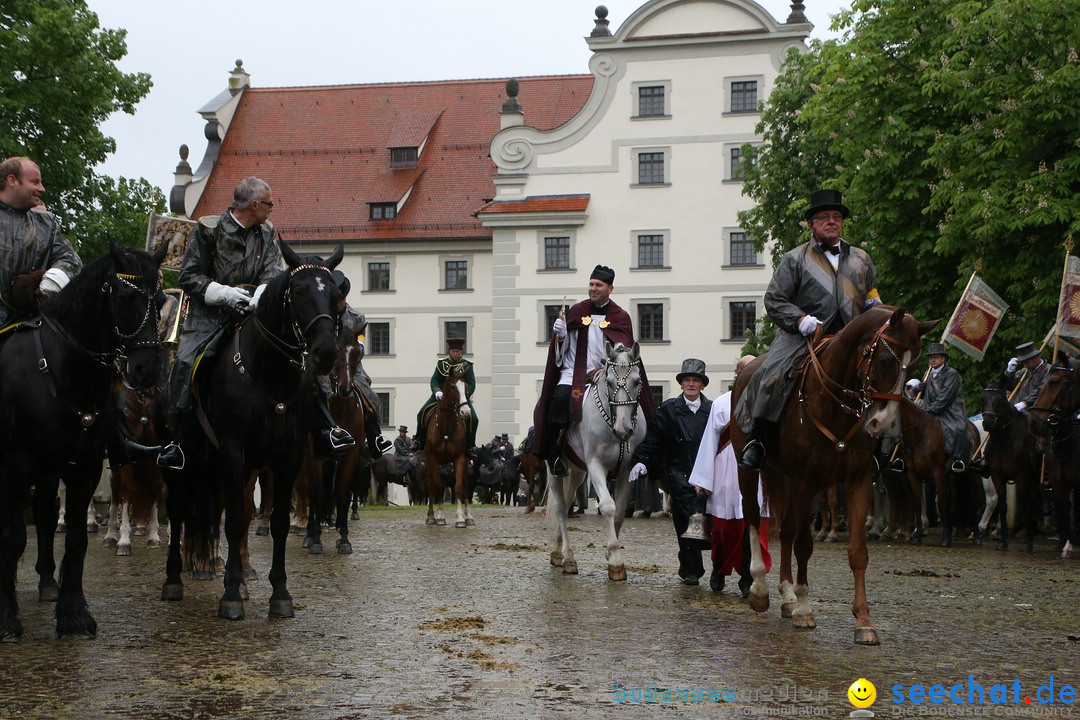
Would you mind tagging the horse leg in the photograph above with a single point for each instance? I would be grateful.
(175, 502)
(231, 604)
(788, 526)
(45, 519)
(12, 545)
(112, 530)
(943, 484)
(464, 517)
(347, 469)
(123, 545)
(834, 513)
(801, 615)
(72, 613)
(597, 475)
(558, 540)
(991, 504)
(858, 502)
(1002, 515)
(153, 527)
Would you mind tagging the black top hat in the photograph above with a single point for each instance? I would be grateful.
(455, 343)
(694, 368)
(826, 200)
(604, 274)
(403, 428)
(341, 281)
(937, 349)
(1026, 351)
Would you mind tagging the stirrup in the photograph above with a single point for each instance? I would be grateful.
(897, 465)
(382, 444)
(171, 457)
(752, 455)
(958, 466)
(558, 467)
(339, 439)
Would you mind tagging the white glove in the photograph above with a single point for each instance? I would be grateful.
(438, 394)
(559, 328)
(1013, 364)
(1020, 406)
(53, 281)
(218, 294)
(258, 294)
(808, 325)
(637, 471)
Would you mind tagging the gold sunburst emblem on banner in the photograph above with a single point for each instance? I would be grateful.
(973, 325)
(1074, 304)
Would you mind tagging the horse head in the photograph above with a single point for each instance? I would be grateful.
(299, 305)
(997, 412)
(136, 299)
(619, 388)
(888, 342)
(1058, 400)
(345, 365)
(455, 390)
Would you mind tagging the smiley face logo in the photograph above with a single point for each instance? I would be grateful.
(862, 693)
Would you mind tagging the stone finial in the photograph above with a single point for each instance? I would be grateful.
(239, 78)
(512, 105)
(183, 168)
(797, 15)
(601, 29)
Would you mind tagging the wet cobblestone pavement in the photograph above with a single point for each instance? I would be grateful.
(426, 622)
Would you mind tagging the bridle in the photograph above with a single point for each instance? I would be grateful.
(865, 395)
(622, 374)
(1055, 417)
(296, 355)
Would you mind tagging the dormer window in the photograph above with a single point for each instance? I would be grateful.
(401, 157)
(383, 211)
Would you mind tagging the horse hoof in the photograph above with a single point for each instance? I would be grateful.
(262, 531)
(976, 541)
(569, 568)
(469, 522)
(306, 543)
(915, 540)
(787, 610)
(91, 528)
(249, 574)
(460, 524)
(123, 550)
(430, 521)
(946, 542)
(344, 548)
(804, 621)
(315, 548)
(1003, 547)
(355, 515)
(556, 560)
(1026, 547)
(616, 574)
(60, 528)
(440, 522)
(282, 609)
(202, 575)
(873, 536)
(231, 609)
(153, 543)
(172, 593)
(866, 636)
(48, 593)
(139, 531)
(759, 603)
(10, 636)
(529, 509)
(109, 542)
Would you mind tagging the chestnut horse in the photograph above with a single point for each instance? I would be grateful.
(444, 434)
(1054, 417)
(849, 395)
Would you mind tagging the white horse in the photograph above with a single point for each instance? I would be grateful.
(605, 439)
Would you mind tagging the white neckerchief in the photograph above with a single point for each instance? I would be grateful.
(694, 406)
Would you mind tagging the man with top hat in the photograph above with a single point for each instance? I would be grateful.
(669, 449)
(454, 349)
(1028, 367)
(405, 449)
(578, 349)
(824, 283)
(944, 399)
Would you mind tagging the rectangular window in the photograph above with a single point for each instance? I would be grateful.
(657, 394)
(557, 253)
(651, 101)
(457, 275)
(742, 250)
(379, 276)
(550, 313)
(383, 211)
(739, 161)
(455, 329)
(403, 157)
(384, 408)
(744, 96)
(650, 322)
(650, 168)
(378, 338)
(743, 317)
(650, 251)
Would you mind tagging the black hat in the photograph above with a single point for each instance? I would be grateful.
(341, 281)
(403, 428)
(937, 349)
(455, 343)
(826, 200)
(694, 368)
(1026, 351)
(604, 274)
(506, 436)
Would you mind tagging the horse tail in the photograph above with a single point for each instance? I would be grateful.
(202, 522)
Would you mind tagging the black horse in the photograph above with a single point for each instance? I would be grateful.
(255, 407)
(1011, 456)
(56, 380)
(1055, 420)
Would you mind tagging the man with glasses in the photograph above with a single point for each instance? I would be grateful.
(823, 283)
(228, 260)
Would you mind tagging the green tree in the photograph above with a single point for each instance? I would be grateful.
(58, 83)
(949, 128)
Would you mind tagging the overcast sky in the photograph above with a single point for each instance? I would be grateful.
(189, 49)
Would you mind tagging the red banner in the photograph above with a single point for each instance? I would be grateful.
(976, 319)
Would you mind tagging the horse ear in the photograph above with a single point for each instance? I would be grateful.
(335, 257)
(896, 320)
(925, 327)
(291, 258)
(635, 353)
(159, 256)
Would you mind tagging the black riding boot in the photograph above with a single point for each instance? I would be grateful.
(327, 438)
(377, 444)
(754, 450)
(171, 456)
(555, 422)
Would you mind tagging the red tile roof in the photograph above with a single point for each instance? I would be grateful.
(539, 203)
(324, 151)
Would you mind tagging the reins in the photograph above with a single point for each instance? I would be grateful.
(620, 386)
